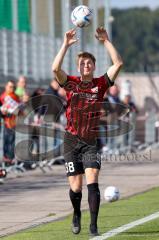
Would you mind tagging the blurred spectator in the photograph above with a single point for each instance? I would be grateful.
(131, 115)
(126, 89)
(150, 105)
(113, 94)
(127, 101)
(53, 88)
(51, 103)
(112, 110)
(62, 94)
(25, 98)
(52, 109)
(35, 120)
(21, 87)
(9, 104)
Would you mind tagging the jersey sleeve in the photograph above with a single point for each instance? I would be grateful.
(105, 82)
(109, 83)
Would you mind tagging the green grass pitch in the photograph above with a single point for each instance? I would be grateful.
(112, 215)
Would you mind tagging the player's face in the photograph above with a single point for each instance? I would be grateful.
(86, 67)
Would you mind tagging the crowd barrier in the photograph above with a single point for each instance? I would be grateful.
(36, 149)
(42, 150)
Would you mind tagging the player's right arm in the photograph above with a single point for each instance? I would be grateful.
(69, 39)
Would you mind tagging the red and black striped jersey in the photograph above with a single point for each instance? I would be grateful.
(84, 102)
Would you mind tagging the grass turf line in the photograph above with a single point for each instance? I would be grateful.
(111, 216)
(147, 231)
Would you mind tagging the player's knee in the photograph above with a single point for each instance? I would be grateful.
(91, 175)
(76, 189)
(75, 183)
(76, 186)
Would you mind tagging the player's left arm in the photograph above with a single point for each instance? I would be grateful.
(117, 62)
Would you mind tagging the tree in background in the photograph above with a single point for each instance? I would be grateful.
(135, 32)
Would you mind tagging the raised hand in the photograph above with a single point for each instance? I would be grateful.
(70, 37)
(101, 34)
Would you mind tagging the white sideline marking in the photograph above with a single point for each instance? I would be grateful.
(126, 227)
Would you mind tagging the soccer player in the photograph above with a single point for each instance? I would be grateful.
(84, 92)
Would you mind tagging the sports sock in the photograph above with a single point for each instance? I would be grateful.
(94, 202)
(76, 201)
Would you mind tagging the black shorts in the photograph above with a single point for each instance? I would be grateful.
(79, 155)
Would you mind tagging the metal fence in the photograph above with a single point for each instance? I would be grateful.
(116, 145)
(28, 54)
(36, 148)
(32, 55)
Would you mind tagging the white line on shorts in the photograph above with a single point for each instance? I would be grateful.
(126, 227)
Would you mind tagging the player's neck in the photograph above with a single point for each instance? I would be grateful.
(87, 78)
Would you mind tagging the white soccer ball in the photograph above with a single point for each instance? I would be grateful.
(81, 16)
(111, 194)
